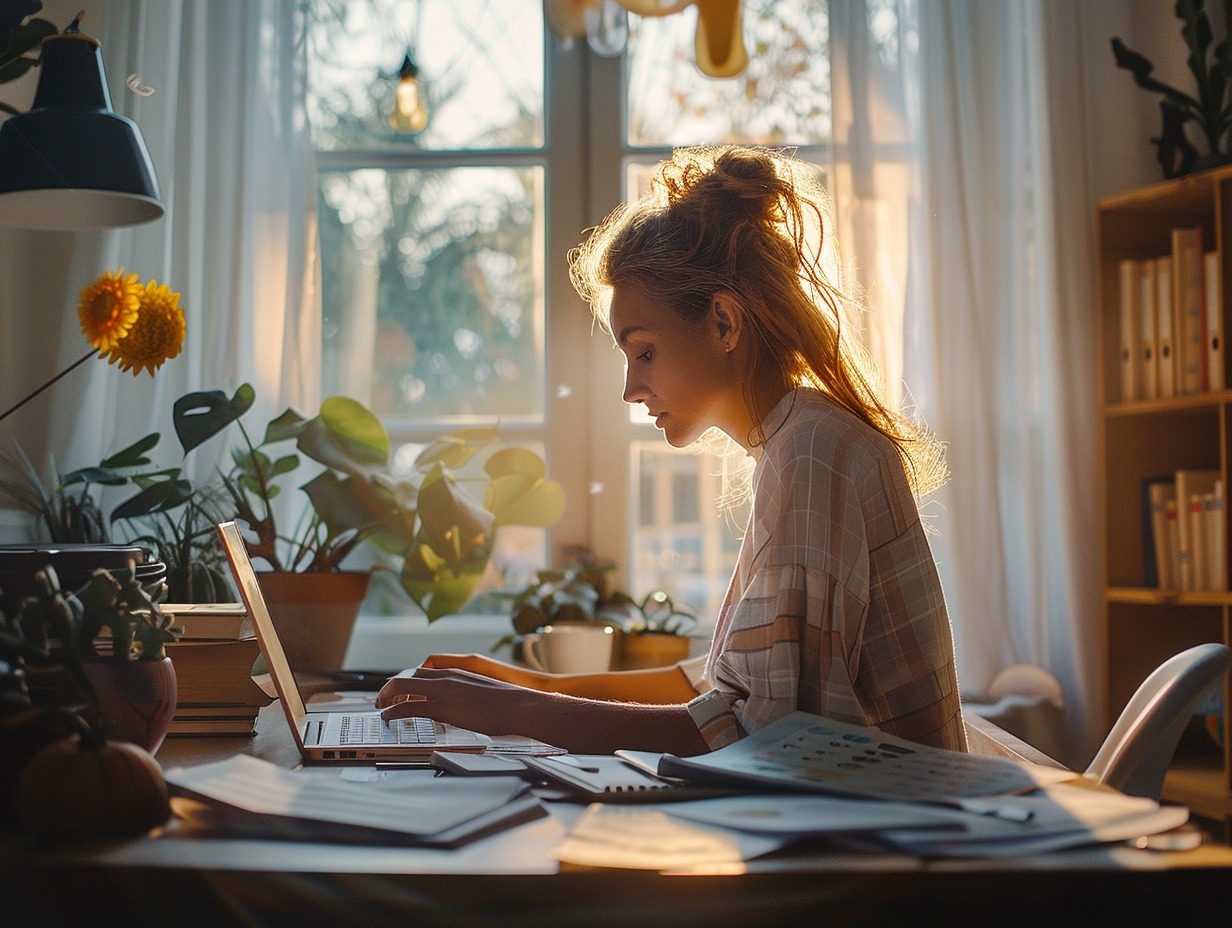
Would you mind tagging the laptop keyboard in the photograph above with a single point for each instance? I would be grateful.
(374, 730)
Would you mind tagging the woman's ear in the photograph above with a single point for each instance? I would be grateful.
(727, 318)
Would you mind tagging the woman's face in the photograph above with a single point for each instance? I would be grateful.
(682, 373)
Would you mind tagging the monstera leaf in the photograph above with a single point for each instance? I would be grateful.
(202, 415)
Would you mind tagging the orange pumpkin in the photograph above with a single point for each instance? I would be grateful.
(83, 787)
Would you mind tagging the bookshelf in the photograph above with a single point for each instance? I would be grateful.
(1147, 436)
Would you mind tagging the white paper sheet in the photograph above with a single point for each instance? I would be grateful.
(414, 807)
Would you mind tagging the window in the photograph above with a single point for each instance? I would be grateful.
(445, 288)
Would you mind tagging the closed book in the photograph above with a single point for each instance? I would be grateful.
(1218, 564)
(1199, 542)
(1157, 556)
(237, 727)
(1131, 330)
(210, 621)
(1191, 484)
(1189, 310)
(1165, 327)
(1174, 545)
(1212, 295)
(217, 671)
(1149, 330)
(214, 710)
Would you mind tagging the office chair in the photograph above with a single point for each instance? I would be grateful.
(1135, 756)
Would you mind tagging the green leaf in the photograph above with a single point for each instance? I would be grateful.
(519, 461)
(158, 497)
(455, 449)
(434, 587)
(202, 415)
(286, 426)
(455, 527)
(134, 454)
(13, 69)
(1141, 69)
(346, 436)
(101, 475)
(339, 504)
(521, 500)
(25, 37)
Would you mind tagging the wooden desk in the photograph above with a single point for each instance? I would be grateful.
(181, 878)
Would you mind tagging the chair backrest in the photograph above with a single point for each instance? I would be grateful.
(1135, 756)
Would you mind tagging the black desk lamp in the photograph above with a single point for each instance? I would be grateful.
(70, 163)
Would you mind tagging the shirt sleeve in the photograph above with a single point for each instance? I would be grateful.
(715, 719)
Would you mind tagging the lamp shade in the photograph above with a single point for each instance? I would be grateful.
(70, 163)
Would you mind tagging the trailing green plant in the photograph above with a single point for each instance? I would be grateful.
(1210, 111)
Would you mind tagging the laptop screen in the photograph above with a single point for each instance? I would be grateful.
(271, 647)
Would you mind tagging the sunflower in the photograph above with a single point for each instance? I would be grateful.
(155, 336)
(108, 308)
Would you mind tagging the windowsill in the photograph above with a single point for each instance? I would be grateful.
(391, 642)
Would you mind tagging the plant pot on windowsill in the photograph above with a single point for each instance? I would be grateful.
(646, 649)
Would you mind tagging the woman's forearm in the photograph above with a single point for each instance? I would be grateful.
(659, 685)
(589, 726)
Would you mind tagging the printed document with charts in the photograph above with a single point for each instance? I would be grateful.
(808, 752)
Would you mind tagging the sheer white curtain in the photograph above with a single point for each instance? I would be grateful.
(1002, 336)
(226, 132)
(962, 191)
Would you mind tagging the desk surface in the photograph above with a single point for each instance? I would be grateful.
(182, 877)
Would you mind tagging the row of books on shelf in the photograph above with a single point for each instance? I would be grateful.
(1171, 318)
(213, 661)
(1184, 532)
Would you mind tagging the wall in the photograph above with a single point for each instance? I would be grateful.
(36, 295)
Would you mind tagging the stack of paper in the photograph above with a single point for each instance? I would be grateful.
(255, 796)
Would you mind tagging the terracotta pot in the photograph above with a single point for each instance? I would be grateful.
(653, 649)
(137, 697)
(314, 614)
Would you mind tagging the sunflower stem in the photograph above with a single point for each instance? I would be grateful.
(76, 364)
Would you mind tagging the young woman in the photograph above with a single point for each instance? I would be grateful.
(713, 288)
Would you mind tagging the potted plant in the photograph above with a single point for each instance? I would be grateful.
(101, 647)
(61, 775)
(653, 632)
(435, 534)
(1209, 111)
(169, 518)
(656, 630)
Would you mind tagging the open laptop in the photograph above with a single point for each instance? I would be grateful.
(338, 737)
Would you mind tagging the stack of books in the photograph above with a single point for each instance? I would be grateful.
(1183, 532)
(213, 667)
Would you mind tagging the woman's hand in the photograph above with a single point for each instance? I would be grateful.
(457, 697)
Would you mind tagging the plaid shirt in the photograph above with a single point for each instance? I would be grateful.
(835, 607)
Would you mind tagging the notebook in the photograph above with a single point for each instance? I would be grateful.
(339, 737)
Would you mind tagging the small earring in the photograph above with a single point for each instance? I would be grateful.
(727, 348)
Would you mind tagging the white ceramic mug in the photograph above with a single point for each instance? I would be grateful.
(569, 648)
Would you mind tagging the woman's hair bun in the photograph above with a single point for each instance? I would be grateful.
(738, 181)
